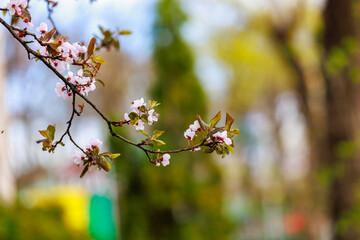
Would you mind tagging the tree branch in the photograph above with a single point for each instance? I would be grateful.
(110, 124)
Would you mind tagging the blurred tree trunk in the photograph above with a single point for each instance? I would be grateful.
(343, 117)
(7, 181)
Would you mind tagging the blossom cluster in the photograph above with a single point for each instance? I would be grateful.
(221, 137)
(140, 114)
(190, 133)
(80, 157)
(18, 7)
(164, 160)
(82, 84)
(67, 53)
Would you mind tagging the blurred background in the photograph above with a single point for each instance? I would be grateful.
(286, 70)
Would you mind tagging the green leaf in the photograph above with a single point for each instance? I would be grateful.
(124, 32)
(86, 168)
(104, 164)
(230, 149)
(99, 59)
(43, 133)
(215, 120)
(157, 134)
(144, 118)
(115, 155)
(203, 125)
(88, 72)
(51, 132)
(133, 116)
(145, 133)
(62, 144)
(229, 122)
(159, 142)
(207, 150)
(96, 151)
(91, 47)
(143, 108)
(102, 83)
(233, 132)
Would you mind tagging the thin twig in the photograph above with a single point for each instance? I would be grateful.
(76, 92)
(50, 11)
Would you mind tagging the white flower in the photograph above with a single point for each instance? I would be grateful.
(196, 126)
(189, 135)
(43, 50)
(196, 149)
(78, 157)
(28, 23)
(139, 125)
(222, 137)
(152, 117)
(42, 28)
(14, 6)
(69, 76)
(227, 141)
(23, 3)
(61, 91)
(95, 143)
(126, 116)
(137, 104)
(79, 49)
(58, 65)
(165, 159)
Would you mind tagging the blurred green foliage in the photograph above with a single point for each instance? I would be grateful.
(38, 223)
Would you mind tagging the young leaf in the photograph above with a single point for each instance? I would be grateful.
(51, 132)
(145, 133)
(124, 32)
(102, 83)
(230, 149)
(49, 35)
(86, 168)
(99, 59)
(133, 115)
(207, 150)
(229, 122)
(43, 133)
(159, 142)
(91, 47)
(103, 163)
(157, 134)
(215, 120)
(203, 125)
(115, 155)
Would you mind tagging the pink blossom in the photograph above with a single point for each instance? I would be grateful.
(189, 135)
(78, 157)
(222, 137)
(126, 116)
(95, 143)
(42, 29)
(61, 91)
(58, 65)
(139, 125)
(195, 149)
(195, 127)
(152, 117)
(137, 104)
(165, 159)
(15, 6)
